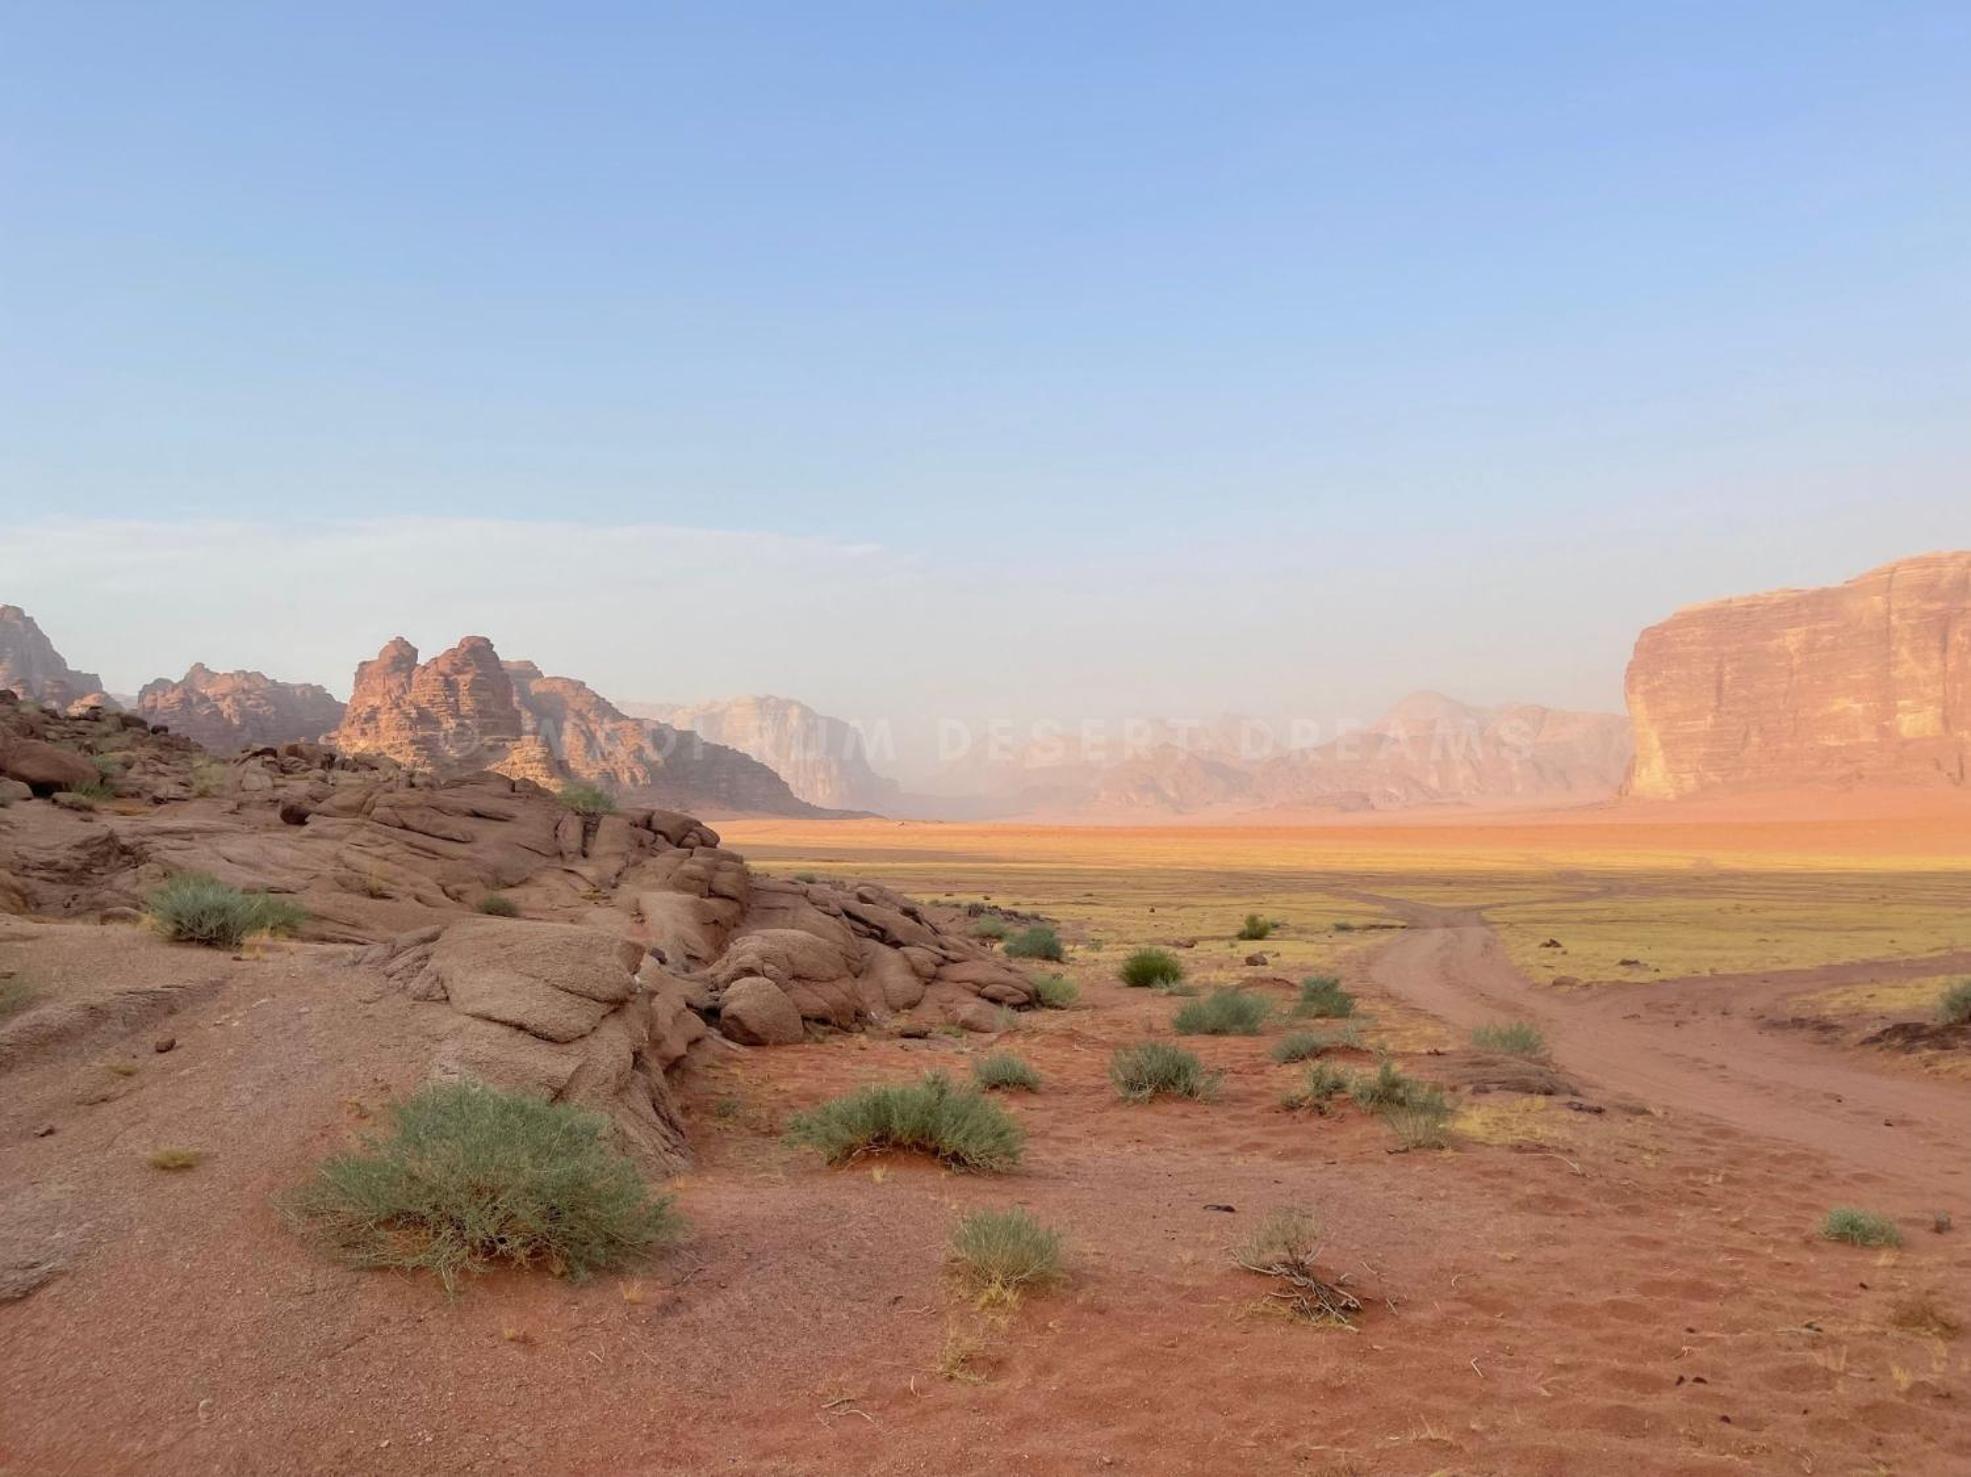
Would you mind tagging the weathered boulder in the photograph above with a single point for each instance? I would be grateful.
(43, 767)
(551, 980)
(757, 1012)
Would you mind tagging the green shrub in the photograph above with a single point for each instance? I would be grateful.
(1003, 1069)
(807, 877)
(1322, 1085)
(1146, 968)
(469, 1176)
(1056, 991)
(1142, 1072)
(1283, 1246)
(587, 799)
(1003, 1253)
(1322, 997)
(1038, 942)
(1255, 928)
(1513, 1038)
(1419, 1125)
(195, 908)
(95, 791)
(16, 996)
(1860, 1227)
(1954, 1009)
(958, 1125)
(498, 905)
(1222, 1013)
(1389, 1088)
(1342, 925)
(990, 928)
(1298, 1046)
(208, 777)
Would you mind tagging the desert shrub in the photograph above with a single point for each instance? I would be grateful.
(1322, 997)
(1389, 1088)
(1954, 1008)
(1222, 1013)
(1419, 1125)
(469, 1176)
(958, 1125)
(498, 905)
(16, 996)
(1318, 1090)
(1147, 968)
(1037, 942)
(95, 791)
(1283, 1246)
(1056, 991)
(990, 928)
(173, 1160)
(1513, 1038)
(208, 777)
(195, 908)
(1299, 1046)
(1860, 1227)
(1342, 925)
(807, 877)
(1155, 1067)
(1003, 1253)
(1003, 1069)
(585, 798)
(1255, 928)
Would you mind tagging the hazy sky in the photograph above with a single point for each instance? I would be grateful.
(991, 358)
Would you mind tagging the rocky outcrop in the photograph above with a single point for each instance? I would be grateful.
(1865, 683)
(224, 711)
(824, 760)
(465, 710)
(31, 667)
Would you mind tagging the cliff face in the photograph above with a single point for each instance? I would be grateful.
(30, 665)
(466, 710)
(1858, 684)
(822, 759)
(224, 711)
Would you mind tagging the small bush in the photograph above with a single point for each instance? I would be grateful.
(468, 1177)
(1342, 925)
(1003, 1069)
(585, 798)
(807, 877)
(208, 777)
(1222, 1013)
(1056, 991)
(195, 908)
(1318, 1091)
(498, 905)
(1156, 1067)
(1513, 1038)
(1298, 1046)
(1283, 1246)
(1860, 1227)
(1038, 942)
(958, 1125)
(1255, 928)
(95, 791)
(1322, 997)
(1003, 1253)
(1148, 968)
(174, 1160)
(16, 996)
(990, 928)
(1420, 1125)
(1389, 1088)
(1954, 1008)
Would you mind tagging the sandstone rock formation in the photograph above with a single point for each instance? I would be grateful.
(465, 710)
(224, 711)
(31, 667)
(1863, 683)
(824, 760)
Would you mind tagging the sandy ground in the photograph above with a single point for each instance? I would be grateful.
(1637, 1289)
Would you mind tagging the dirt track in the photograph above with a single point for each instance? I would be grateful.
(1689, 1050)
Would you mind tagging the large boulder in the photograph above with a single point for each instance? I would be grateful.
(552, 980)
(43, 767)
(756, 1012)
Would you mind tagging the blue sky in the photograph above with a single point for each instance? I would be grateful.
(1259, 355)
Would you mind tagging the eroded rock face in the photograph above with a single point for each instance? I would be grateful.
(30, 665)
(823, 759)
(1863, 683)
(225, 711)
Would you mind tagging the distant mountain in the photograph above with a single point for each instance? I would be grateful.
(226, 711)
(30, 665)
(824, 760)
(1862, 684)
(465, 709)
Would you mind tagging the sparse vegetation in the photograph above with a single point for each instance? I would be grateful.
(1954, 1007)
(1298, 1046)
(807, 877)
(585, 798)
(1222, 1013)
(1425, 1124)
(1342, 925)
(1056, 991)
(195, 908)
(989, 927)
(1255, 928)
(1155, 1068)
(208, 777)
(94, 791)
(1318, 1090)
(469, 1176)
(1004, 1069)
(1283, 1247)
(1003, 1253)
(1512, 1038)
(498, 905)
(173, 1160)
(15, 996)
(1389, 1088)
(1322, 997)
(1860, 1227)
(1151, 968)
(958, 1125)
(1037, 942)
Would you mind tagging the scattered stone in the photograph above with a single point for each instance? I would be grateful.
(164, 1044)
(1256, 961)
